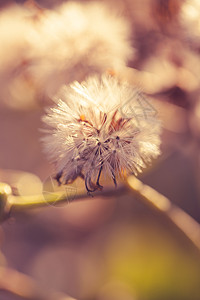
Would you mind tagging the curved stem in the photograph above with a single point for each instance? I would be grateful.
(12, 203)
(180, 218)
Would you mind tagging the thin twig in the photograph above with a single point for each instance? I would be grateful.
(10, 203)
(180, 218)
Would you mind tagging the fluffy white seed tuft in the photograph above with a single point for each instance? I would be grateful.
(100, 126)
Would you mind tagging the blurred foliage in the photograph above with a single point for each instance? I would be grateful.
(154, 265)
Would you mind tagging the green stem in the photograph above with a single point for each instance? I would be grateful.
(11, 202)
(180, 219)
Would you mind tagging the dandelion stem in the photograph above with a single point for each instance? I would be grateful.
(10, 203)
(42, 200)
(180, 218)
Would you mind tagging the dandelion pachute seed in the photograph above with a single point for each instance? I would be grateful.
(101, 126)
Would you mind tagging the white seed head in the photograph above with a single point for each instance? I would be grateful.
(100, 126)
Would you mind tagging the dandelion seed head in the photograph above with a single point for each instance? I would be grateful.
(89, 133)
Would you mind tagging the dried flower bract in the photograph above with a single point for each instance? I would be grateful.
(101, 126)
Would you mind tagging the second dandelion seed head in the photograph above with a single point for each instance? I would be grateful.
(100, 126)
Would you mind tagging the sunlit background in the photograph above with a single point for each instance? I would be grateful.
(112, 247)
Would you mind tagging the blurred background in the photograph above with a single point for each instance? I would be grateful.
(114, 247)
